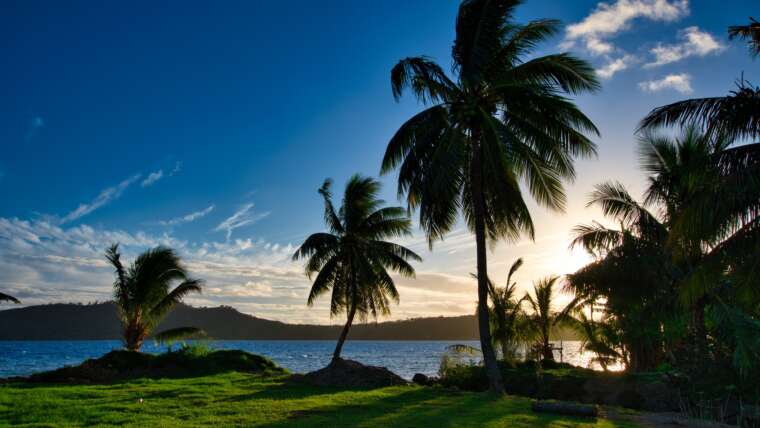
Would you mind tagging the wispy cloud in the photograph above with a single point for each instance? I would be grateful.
(241, 217)
(152, 178)
(694, 42)
(610, 19)
(613, 66)
(678, 82)
(188, 218)
(177, 168)
(106, 195)
(36, 123)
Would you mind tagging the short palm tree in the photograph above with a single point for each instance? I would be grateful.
(544, 318)
(503, 117)
(353, 258)
(506, 314)
(8, 298)
(144, 295)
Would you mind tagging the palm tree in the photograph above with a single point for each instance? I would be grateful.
(143, 294)
(632, 280)
(8, 298)
(506, 313)
(750, 33)
(503, 117)
(353, 258)
(597, 337)
(736, 116)
(544, 319)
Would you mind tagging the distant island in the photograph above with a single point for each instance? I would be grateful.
(99, 321)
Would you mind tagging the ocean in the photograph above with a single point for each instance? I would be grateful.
(21, 358)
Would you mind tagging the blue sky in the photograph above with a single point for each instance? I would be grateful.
(209, 127)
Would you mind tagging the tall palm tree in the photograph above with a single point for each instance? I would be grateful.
(353, 258)
(501, 118)
(506, 313)
(144, 296)
(736, 116)
(544, 318)
(8, 298)
(680, 172)
(750, 33)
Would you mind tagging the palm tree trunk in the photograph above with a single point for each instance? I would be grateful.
(700, 330)
(478, 204)
(504, 351)
(344, 333)
(547, 350)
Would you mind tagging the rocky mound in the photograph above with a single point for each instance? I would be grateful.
(124, 365)
(351, 374)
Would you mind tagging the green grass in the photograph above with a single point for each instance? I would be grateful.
(237, 399)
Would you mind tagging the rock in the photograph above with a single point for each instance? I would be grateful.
(351, 374)
(565, 408)
(421, 379)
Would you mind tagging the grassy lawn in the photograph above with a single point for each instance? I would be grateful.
(236, 399)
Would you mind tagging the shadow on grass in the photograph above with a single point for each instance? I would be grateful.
(283, 388)
(429, 407)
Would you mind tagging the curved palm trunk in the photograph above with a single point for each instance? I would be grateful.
(344, 333)
(133, 338)
(489, 356)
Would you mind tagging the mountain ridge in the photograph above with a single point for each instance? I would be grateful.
(99, 321)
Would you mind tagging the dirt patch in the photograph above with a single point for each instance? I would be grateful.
(351, 374)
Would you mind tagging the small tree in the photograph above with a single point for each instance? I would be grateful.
(353, 258)
(143, 294)
(544, 319)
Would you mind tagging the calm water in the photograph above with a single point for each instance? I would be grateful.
(19, 358)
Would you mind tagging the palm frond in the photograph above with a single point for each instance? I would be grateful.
(8, 298)
(175, 296)
(736, 116)
(749, 33)
(176, 334)
(424, 77)
(460, 348)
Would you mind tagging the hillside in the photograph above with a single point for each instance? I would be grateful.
(99, 321)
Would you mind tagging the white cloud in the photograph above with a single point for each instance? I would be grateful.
(42, 262)
(615, 65)
(694, 42)
(188, 217)
(152, 178)
(678, 82)
(609, 19)
(35, 125)
(241, 217)
(105, 196)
